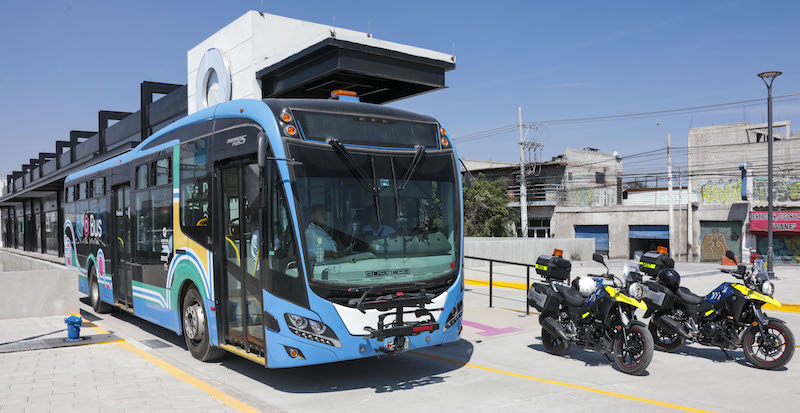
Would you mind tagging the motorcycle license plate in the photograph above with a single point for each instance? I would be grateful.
(537, 298)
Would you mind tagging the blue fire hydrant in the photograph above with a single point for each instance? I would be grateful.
(73, 327)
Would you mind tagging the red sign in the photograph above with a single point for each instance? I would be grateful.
(785, 221)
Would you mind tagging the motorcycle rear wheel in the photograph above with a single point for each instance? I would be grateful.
(553, 343)
(636, 356)
(664, 341)
(773, 353)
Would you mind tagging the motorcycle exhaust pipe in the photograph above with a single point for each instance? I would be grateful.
(670, 324)
(553, 327)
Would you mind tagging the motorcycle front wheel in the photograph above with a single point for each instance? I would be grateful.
(773, 349)
(633, 357)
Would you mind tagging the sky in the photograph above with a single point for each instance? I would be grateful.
(62, 62)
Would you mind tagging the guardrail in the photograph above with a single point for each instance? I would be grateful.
(491, 277)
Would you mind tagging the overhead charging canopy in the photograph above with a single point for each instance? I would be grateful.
(377, 75)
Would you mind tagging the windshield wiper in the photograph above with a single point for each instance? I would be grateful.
(359, 174)
(419, 157)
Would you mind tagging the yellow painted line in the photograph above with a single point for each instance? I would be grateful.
(213, 392)
(564, 384)
(240, 352)
(788, 308)
(217, 394)
(504, 284)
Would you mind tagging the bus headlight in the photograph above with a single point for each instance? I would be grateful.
(768, 288)
(297, 321)
(454, 315)
(317, 328)
(312, 330)
(636, 291)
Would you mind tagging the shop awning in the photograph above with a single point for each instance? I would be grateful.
(782, 221)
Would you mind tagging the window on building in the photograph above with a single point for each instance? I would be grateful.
(600, 177)
(141, 176)
(539, 228)
(569, 176)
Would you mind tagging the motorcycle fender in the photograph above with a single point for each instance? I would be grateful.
(636, 323)
(755, 295)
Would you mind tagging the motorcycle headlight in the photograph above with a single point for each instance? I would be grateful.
(636, 291)
(768, 288)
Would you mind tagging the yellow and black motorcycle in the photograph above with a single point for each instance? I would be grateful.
(590, 314)
(728, 317)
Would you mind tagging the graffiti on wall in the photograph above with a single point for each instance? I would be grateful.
(593, 197)
(786, 189)
(718, 237)
(786, 249)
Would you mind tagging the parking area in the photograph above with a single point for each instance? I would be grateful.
(499, 365)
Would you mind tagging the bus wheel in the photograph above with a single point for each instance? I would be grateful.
(94, 294)
(195, 328)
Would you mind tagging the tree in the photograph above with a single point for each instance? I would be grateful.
(486, 211)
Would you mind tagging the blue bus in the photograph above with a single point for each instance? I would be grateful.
(287, 231)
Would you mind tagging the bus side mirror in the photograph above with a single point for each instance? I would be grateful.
(262, 150)
(467, 181)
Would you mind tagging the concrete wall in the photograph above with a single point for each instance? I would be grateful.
(525, 251)
(36, 288)
(619, 219)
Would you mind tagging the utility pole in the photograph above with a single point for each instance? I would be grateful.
(689, 225)
(669, 194)
(680, 211)
(523, 199)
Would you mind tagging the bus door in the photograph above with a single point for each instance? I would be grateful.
(238, 243)
(123, 291)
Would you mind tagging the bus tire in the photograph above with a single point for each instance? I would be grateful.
(94, 294)
(195, 327)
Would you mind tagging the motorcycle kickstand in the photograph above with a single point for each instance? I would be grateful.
(609, 358)
(726, 353)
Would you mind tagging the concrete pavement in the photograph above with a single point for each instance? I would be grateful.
(499, 365)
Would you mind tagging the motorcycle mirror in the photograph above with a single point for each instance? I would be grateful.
(730, 255)
(598, 258)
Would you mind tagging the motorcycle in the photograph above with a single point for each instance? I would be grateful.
(728, 317)
(600, 318)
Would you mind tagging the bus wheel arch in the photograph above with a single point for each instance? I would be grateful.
(194, 324)
(94, 292)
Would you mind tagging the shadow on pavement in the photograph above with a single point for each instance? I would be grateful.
(386, 374)
(587, 357)
(406, 371)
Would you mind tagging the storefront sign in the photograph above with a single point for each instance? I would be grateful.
(781, 221)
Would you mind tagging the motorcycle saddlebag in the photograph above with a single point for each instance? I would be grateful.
(543, 298)
(653, 262)
(553, 267)
(657, 296)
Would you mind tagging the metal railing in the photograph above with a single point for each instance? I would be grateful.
(491, 277)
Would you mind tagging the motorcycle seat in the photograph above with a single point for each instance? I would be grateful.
(689, 297)
(571, 296)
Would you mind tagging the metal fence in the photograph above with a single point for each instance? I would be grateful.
(491, 277)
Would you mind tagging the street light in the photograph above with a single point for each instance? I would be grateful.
(768, 78)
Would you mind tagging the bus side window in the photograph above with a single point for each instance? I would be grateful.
(284, 268)
(194, 181)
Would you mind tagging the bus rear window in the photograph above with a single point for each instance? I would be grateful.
(366, 130)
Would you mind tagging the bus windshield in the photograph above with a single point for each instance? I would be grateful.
(379, 217)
